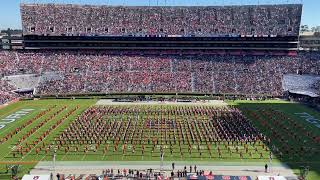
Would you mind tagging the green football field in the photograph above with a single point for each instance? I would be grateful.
(310, 156)
(35, 125)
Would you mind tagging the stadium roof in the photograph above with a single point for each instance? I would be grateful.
(307, 93)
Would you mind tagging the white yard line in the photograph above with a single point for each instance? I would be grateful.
(64, 156)
(34, 146)
(84, 156)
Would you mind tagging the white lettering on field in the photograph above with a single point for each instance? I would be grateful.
(13, 117)
(307, 117)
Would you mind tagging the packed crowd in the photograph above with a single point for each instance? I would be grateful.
(55, 19)
(309, 84)
(83, 72)
(6, 92)
(316, 86)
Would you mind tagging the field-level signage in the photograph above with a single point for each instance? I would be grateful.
(307, 117)
(13, 117)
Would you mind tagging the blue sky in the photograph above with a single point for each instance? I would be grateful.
(10, 14)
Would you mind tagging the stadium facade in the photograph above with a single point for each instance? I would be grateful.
(82, 49)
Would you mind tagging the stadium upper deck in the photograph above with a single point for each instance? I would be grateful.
(259, 20)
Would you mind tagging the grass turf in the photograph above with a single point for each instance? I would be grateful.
(39, 106)
(65, 106)
(310, 158)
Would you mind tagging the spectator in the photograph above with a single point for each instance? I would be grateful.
(57, 19)
(63, 72)
(266, 168)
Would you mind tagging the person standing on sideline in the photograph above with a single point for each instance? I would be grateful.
(173, 166)
(266, 168)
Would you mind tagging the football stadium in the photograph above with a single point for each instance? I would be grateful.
(159, 92)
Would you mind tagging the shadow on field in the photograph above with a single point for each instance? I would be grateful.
(292, 129)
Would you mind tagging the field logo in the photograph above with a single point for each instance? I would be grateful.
(13, 117)
(309, 119)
